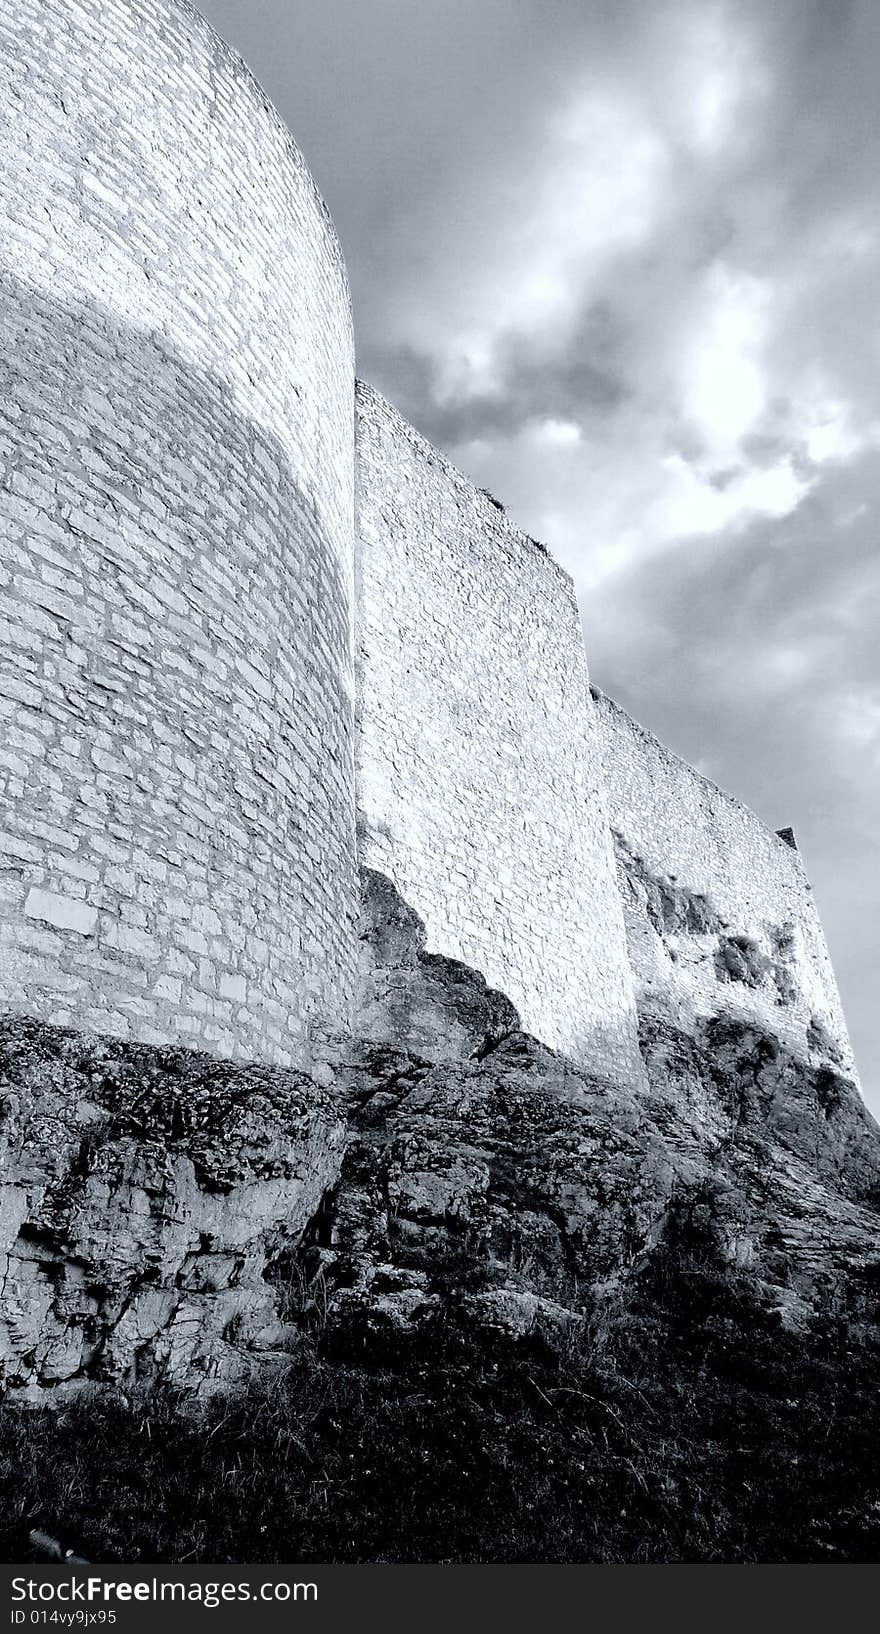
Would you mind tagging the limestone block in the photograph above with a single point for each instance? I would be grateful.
(64, 912)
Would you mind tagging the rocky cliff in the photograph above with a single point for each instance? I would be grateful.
(167, 1215)
(168, 1219)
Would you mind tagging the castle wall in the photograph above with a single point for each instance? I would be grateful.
(177, 847)
(720, 915)
(480, 777)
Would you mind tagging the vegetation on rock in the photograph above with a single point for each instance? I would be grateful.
(466, 1302)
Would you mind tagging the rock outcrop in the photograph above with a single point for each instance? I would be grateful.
(537, 1193)
(143, 1193)
(420, 1001)
(166, 1215)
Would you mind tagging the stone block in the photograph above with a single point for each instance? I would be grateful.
(63, 912)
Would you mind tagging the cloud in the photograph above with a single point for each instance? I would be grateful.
(620, 261)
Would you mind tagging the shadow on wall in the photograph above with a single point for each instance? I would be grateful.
(178, 855)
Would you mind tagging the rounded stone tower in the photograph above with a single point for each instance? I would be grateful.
(177, 844)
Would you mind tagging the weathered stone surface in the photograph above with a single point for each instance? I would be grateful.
(720, 916)
(143, 1192)
(480, 781)
(781, 1157)
(421, 1001)
(223, 681)
(167, 1215)
(537, 1191)
(177, 862)
(518, 1168)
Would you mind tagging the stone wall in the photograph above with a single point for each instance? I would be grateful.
(177, 848)
(720, 915)
(480, 776)
(178, 591)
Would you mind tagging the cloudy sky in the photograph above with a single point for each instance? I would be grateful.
(620, 258)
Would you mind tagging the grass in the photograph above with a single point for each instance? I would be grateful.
(695, 1429)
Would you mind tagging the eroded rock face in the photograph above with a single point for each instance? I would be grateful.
(515, 1180)
(691, 964)
(169, 1215)
(507, 1177)
(435, 1006)
(781, 1158)
(534, 1193)
(143, 1192)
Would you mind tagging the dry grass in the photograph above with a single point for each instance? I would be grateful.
(697, 1430)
